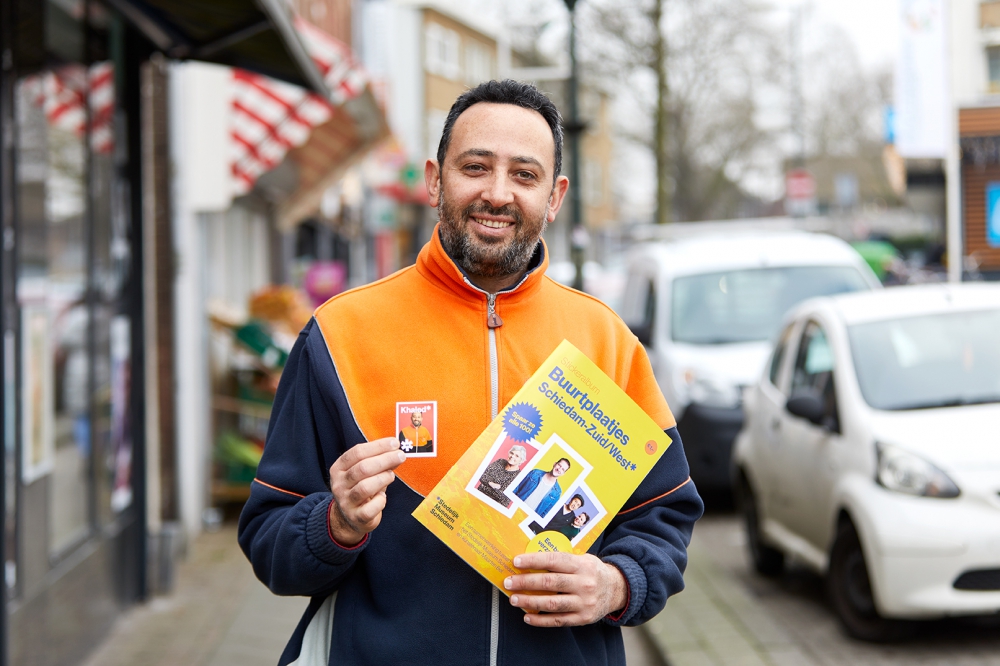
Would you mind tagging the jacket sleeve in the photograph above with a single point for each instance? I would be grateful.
(648, 539)
(283, 528)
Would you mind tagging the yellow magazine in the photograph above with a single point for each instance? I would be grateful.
(549, 472)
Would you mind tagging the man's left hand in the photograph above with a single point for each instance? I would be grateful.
(571, 590)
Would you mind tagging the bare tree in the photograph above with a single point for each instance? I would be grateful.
(694, 68)
(844, 114)
(845, 106)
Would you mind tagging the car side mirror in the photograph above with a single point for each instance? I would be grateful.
(642, 331)
(808, 406)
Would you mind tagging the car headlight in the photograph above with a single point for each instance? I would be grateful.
(711, 391)
(904, 472)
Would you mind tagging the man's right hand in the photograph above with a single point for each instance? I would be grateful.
(358, 481)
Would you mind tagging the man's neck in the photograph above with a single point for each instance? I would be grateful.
(492, 285)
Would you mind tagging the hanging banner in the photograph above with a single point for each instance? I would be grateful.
(922, 83)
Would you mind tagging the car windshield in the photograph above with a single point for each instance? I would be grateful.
(930, 361)
(747, 305)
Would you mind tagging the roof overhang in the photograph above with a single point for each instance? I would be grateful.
(256, 35)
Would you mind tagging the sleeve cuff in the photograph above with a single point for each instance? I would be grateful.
(635, 581)
(321, 541)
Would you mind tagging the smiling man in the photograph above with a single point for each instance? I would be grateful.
(329, 514)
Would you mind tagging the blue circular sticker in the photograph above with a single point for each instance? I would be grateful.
(522, 422)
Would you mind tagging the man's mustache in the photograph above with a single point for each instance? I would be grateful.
(509, 210)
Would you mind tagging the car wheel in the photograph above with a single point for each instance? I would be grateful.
(850, 591)
(766, 560)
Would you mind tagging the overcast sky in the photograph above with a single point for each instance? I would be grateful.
(871, 24)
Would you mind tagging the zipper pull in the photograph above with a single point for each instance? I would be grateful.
(493, 320)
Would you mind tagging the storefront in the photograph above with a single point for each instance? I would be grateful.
(78, 162)
(979, 136)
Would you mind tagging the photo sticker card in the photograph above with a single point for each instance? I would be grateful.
(416, 428)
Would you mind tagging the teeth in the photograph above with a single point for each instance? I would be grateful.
(494, 224)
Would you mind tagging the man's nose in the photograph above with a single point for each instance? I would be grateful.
(498, 192)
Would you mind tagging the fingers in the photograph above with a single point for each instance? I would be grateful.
(369, 514)
(364, 470)
(561, 562)
(366, 450)
(562, 589)
(547, 603)
(358, 481)
(373, 466)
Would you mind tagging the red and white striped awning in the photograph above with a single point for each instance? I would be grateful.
(63, 95)
(271, 119)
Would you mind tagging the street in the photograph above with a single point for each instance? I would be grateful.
(728, 615)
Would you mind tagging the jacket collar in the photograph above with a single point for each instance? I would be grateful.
(434, 264)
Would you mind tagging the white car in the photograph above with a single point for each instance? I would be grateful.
(871, 453)
(708, 309)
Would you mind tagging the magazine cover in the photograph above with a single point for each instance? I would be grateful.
(549, 473)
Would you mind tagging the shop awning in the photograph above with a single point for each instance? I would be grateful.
(290, 145)
(254, 35)
(291, 142)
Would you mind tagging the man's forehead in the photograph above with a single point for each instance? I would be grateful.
(505, 130)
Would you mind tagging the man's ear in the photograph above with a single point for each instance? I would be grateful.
(556, 198)
(432, 179)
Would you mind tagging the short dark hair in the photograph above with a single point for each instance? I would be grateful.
(579, 497)
(507, 91)
(565, 460)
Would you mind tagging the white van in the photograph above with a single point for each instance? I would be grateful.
(708, 308)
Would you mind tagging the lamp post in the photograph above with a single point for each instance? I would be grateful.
(573, 127)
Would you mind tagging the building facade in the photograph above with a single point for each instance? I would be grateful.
(975, 68)
(87, 267)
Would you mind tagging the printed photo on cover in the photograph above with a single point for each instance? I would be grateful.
(538, 489)
(416, 428)
(506, 459)
(578, 512)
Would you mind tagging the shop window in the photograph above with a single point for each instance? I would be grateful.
(478, 64)
(442, 51)
(993, 65)
(71, 270)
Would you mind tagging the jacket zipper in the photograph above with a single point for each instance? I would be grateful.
(493, 322)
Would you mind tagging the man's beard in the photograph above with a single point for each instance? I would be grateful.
(486, 257)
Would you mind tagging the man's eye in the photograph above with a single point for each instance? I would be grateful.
(526, 175)
(474, 167)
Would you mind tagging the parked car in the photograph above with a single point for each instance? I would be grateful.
(708, 309)
(871, 453)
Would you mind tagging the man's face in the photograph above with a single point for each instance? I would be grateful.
(574, 504)
(416, 418)
(495, 191)
(560, 468)
(580, 520)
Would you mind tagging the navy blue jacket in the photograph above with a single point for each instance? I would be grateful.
(403, 596)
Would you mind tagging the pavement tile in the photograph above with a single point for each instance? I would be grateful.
(716, 621)
(215, 590)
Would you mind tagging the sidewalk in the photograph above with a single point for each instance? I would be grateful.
(217, 615)
(715, 621)
(220, 615)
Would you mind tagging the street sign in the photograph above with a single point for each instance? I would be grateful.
(799, 185)
(800, 193)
